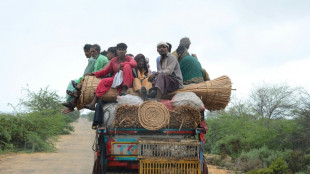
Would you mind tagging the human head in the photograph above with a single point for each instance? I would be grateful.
(186, 42)
(95, 50)
(87, 50)
(162, 48)
(141, 62)
(111, 52)
(180, 50)
(104, 52)
(121, 49)
(169, 47)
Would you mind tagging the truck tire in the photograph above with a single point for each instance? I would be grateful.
(102, 152)
(205, 167)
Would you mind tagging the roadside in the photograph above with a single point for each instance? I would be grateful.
(74, 155)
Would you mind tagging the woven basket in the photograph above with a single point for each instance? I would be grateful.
(90, 84)
(153, 115)
(215, 94)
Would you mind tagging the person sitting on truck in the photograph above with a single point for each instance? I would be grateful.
(169, 50)
(168, 77)
(185, 41)
(190, 67)
(96, 62)
(141, 73)
(121, 62)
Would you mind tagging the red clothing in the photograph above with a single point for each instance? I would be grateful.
(106, 83)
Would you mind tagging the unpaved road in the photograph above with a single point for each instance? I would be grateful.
(74, 156)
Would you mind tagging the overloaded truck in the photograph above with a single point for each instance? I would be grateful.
(150, 137)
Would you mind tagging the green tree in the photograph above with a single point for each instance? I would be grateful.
(42, 100)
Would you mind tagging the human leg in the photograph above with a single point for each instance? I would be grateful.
(127, 79)
(166, 83)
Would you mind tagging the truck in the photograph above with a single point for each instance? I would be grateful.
(165, 150)
(139, 150)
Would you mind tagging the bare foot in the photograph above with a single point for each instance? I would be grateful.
(66, 110)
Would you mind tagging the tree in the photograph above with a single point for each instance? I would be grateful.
(42, 100)
(239, 108)
(274, 101)
(302, 140)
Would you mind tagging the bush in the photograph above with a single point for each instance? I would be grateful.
(277, 167)
(36, 129)
(297, 161)
(33, 131)
(230, 145)
(265, 155)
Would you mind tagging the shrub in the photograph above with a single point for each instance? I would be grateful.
(33, 131)
(277, 167)
(230, 145)
(297, 161)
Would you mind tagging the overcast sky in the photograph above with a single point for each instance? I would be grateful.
(251, 41)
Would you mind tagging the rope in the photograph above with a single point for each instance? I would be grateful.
(153, 115)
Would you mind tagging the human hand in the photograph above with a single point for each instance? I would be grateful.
(152, 76)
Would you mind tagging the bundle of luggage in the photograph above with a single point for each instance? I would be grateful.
(180, 109)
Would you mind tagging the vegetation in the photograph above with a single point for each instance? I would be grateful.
(267, 133)
(36, 128)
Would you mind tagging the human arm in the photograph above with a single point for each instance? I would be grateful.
(104, 71)
(152, 76)
(130, 61)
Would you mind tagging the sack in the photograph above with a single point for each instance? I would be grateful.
(109, 109)
(118, 79)
(187, 99)
(129, 100)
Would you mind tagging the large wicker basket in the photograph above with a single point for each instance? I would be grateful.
(215, 94)
(90, 84)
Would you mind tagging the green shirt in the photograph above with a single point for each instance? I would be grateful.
(90, 66)
(100, 63)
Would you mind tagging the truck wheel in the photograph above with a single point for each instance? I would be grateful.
(102, 152)
(205, 167)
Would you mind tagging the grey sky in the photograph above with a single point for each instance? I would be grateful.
(249, 40)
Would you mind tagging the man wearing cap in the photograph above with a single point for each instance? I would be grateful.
(168, 77)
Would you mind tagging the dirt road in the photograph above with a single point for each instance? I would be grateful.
(74, 156)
